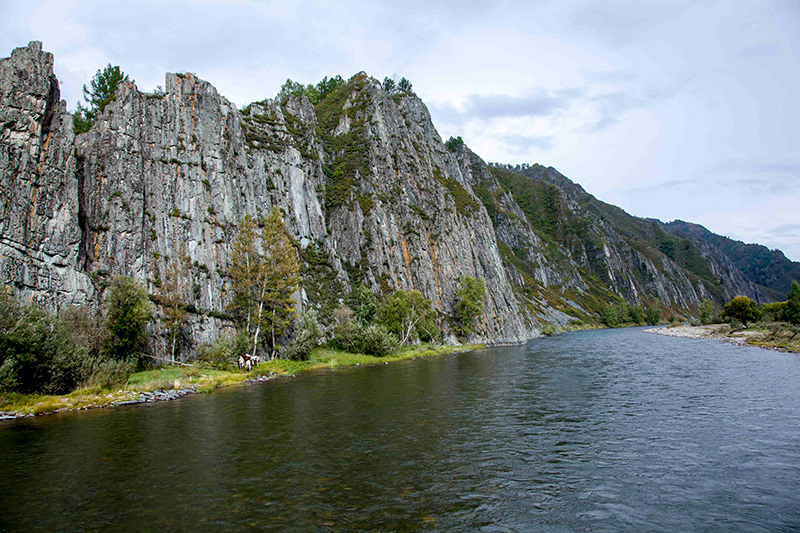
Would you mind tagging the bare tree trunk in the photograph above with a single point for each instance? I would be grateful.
(272, 352)
(411, 325)
(258, 328)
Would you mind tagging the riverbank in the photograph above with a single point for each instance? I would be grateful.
(170, 383)
(774, 336)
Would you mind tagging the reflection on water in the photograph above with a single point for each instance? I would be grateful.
(606, 430)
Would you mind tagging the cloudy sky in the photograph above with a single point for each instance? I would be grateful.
(673, 110)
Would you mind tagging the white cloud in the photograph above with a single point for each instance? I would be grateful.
(672, 110)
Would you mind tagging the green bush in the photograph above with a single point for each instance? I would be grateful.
(792, 312)
(610, 316)
(27, 346)
(453, 142)
(774, 311)
(306, 336)
(47, 354)
(370, 340)
(654, 314)
(742, 309)
(549, 330)
(222, 354)
(365, 305)
(469, 303)
(129, 312)
(98, 371)
(408, 314)
(706, 312)
(635, 314)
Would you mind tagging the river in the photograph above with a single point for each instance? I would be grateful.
(598, 430)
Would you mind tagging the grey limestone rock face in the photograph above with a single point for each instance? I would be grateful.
(364, 182)
(39, 236)
(167, 176)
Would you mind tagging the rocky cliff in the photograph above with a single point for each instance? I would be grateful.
(366, 186)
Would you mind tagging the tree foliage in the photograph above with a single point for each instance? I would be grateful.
(743, 309)
(265, 273)
(610, 316)
(469, 302)
(453, 142)
(174, 299)
(792, 311)
(314, 93)
(408, 314)
(365, 305)
(372, 339)
(706, 311)
(129, 312)
(54, 354)
(306, 336)
(392, 86)
(654, 314)
(635, 314)
(103, 92)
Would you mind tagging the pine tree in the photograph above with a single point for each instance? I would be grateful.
(104, 89)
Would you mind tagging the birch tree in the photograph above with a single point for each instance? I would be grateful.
(174, 298)
(265, 274)
(408, 315)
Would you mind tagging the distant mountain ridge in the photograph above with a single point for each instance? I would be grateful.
(770, 269)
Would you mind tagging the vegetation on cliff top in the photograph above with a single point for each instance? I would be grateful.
(104, 88)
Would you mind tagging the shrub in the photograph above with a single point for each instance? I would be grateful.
(365, 305)
(343, 315)
(98, 371)
(549, 330)
(306, 336)
(610, 316)
(792, 312)
(774, 311)
(654, 314)
(706, 312)
(370, 340)
(453, 142)
(743, 309)
(129, 312)
(469, 303)
(407, 314)
(222, 354)
(635, 314)
(42, 353)
(27, 346)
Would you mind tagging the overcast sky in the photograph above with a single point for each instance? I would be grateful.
(673, 110)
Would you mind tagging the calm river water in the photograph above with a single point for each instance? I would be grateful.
(604, 430)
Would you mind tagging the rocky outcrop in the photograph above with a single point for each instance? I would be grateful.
(367, 186)
(564, 238)
(367, 189)
(39, 209)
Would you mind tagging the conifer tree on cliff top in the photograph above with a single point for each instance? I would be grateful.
(104, 89)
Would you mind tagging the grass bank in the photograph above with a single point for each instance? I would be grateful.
(207, 379)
